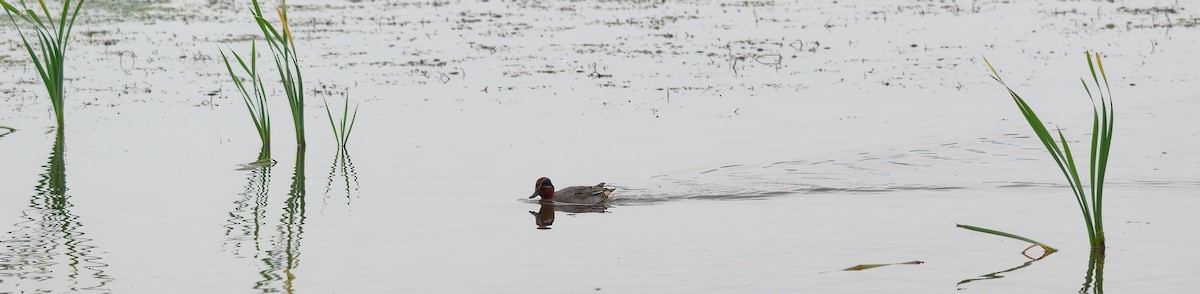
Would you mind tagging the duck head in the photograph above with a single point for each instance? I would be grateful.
(543, 188)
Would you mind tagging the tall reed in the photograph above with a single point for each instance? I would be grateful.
(52, 42)
(255, 99)
(1102, 130)
(283, 49)
(341, 131)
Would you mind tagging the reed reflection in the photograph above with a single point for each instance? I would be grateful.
(285, 254)
(1094, 279)
(342, 173)
(48, 251)
(996, 275)
(249, 213)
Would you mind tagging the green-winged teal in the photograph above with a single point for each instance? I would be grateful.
(574, 194)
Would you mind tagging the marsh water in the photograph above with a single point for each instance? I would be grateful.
(756, 146)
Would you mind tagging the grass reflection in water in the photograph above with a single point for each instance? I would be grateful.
(48, 250)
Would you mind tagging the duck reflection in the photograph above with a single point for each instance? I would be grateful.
(48, 251)
(544, 217)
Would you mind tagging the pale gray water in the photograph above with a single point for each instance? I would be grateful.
(766, 147)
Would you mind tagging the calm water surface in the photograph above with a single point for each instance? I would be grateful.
(758, 146)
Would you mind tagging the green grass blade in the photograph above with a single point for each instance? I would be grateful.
(286, 64)
(242, 62)
(62, 21)
(71, 26)
(1109, 118)
(868, 266)
(254, 99)
(245, 95)
(6, 131)
(352, 120)
(53, 37)
(9, 8)
(37, 21)
(1078, 189)
(261, 93)
(1092, 158)
(47, 12)
(1042, 133)
(332, 126)
(1101, 142)
(38, 64)
(1045, 247)
(345, 115)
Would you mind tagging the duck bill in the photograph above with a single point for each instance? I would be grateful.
(535, 194)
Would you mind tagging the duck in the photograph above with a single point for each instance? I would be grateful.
(575, 194)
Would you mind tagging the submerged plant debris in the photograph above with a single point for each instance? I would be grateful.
(871, 266)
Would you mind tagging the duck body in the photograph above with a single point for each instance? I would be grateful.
(575, 194)
(582, 194)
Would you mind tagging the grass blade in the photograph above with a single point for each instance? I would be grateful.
(1101, 142)
(255, 99)
(341, 130)
(1045, 247)
(4, 131)
(286, 63)
(871, 266)
(52, 44)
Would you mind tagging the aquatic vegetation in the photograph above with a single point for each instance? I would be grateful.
(255, 99)
(341, 132)
(4, 131)
(52, 42)
(1102, 129)
(283, 49)
(1046, 249)
(871, 266)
